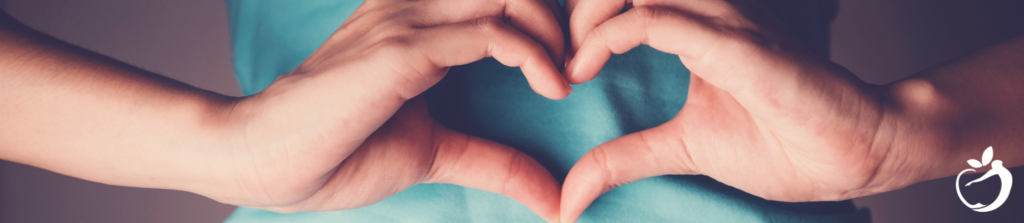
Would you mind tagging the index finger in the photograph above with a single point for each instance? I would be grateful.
(490, 37)
(538, 19)
(585, 15)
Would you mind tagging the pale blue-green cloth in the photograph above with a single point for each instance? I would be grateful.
(637, 90)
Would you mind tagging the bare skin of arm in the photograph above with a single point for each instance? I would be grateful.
(954, 111)
(765, 115)
(62, 104)
(344, 130)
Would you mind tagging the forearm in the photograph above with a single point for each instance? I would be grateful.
(951, 113)
(78, 113)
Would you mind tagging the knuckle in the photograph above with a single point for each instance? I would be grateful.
(449, 150)
(600, 158)
(683, 154)
(650, 14)
(515, 166)
(490, 25)
(644, 11)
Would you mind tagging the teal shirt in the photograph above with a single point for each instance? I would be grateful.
(635, 91)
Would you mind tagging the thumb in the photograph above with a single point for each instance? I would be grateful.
(653, 152)
(482, 164)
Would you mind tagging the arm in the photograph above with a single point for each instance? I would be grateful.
(951, 113)
(78, 113)
(766, 116)
(344, 130)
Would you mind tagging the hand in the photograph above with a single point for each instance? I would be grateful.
(346, 128)
(763, 114)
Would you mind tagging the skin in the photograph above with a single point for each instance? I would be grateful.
(765, 115)
(344, 130)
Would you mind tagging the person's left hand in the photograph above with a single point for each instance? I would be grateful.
(763, 114)
(348, 127)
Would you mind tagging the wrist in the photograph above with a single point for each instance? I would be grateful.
(206, 161)
(233, 173)
(918, 133)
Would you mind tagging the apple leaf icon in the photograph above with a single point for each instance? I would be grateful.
(974, 163)
(986, 157)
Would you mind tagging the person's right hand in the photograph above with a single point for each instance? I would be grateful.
(346, 128)
(762, 113)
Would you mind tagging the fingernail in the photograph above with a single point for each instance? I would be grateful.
(569, 68)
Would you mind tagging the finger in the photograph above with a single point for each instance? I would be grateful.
(538, 19)
(585, 15)
(653, 152)
(664, 29)
(486, 165)
(747, 65)
(490, 37)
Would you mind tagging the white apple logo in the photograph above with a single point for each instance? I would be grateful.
(997, 169)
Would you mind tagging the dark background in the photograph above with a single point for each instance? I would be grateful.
(188, 40)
